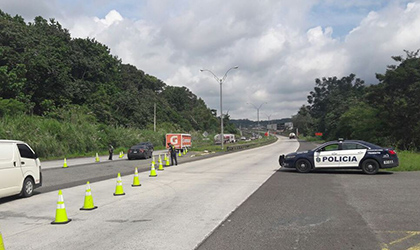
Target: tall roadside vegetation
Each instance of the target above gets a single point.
(72, 86)
(387, 113)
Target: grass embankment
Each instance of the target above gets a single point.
(76, 136)
(409, 161)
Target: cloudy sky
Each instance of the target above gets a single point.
(280, 46)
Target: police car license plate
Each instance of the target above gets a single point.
(388, 162)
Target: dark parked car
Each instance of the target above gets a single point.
(148, 144)
(140, 151)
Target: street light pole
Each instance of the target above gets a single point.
(258, 112)
(220, 80)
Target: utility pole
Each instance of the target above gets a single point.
(154, 118)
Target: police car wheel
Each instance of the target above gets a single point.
(28, 187)
(303, 166)
(370, 167)
(281, 160)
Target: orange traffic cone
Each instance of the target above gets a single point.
(60, 212)
(119, 188)
(136, 181)
(88, 205)
(153, 170)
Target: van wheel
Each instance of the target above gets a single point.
(28, 187)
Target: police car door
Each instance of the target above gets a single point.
(325, 157)
(351, 154)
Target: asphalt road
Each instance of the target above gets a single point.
(235, 201)
(175, 210)
(329, 209)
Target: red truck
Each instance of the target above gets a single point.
(179, 140)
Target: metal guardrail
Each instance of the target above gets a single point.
(249, 145)
(242, 146)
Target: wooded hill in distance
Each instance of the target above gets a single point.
(44, 71)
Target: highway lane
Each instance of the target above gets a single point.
(328, 209)
(175, 210)
(81, 170)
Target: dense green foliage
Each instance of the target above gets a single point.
(42, 67)
(46, 73)
(387, 113)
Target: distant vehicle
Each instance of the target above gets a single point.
(180, 141)
(228, 138)
(243, 138)
(20, 169)
(342, 154)
(148, 144)
(140, 151)
(292, 136)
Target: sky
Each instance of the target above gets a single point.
(279, 46)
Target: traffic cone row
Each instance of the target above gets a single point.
(61, 214)
(121, 154)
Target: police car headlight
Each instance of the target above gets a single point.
(290, 156)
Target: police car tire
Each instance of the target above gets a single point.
(370, 166)
(306, 166)
(28, 187)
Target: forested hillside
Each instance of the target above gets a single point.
(43, 71)
(387, 113)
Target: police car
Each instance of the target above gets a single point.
(342, 154)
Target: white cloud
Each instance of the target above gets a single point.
(279, 46)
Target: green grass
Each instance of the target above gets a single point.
(409, 161)
(75, 136)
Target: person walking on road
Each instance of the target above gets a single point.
(111, 151)
(172, 153)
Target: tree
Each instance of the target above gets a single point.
(330, 99)
(397, 96)
(303, 120)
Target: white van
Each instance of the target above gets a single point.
(20, 169)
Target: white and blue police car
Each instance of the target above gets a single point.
(342, 154)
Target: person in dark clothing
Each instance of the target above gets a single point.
(111, 151)
(172, 153)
